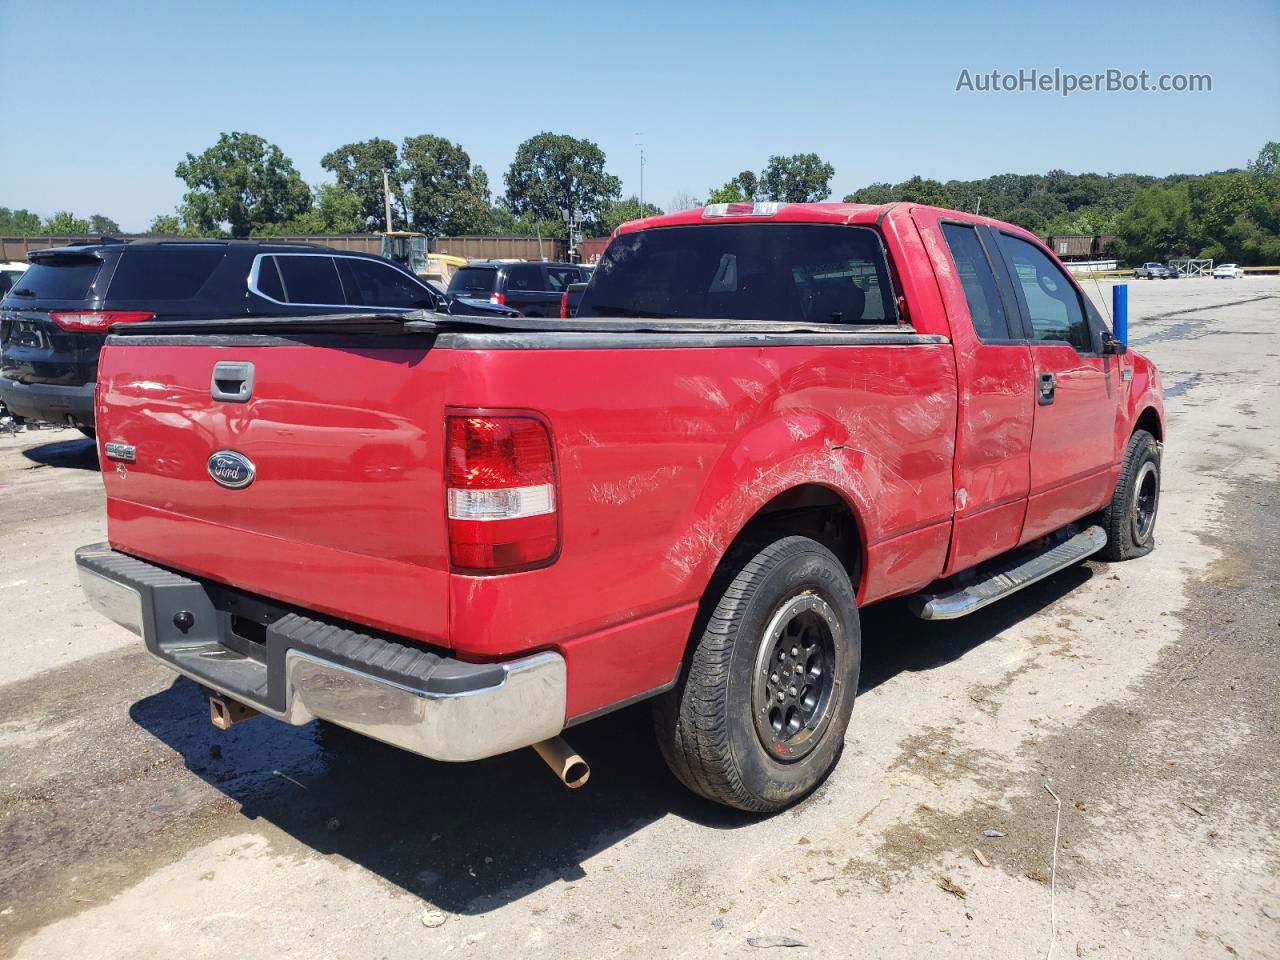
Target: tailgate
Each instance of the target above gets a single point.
(322, 489)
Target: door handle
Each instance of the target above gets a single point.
(1048, 389)
(232, 381)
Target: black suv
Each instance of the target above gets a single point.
(55, 319)
(532, 288)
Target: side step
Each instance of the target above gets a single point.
(998, 580)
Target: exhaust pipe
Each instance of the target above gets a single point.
(223, 712)
(572, 770)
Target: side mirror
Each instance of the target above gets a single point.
(1112, 344)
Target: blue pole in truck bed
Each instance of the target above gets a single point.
(1120, 311)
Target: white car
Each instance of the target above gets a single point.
(10, 271)
(1228, 271)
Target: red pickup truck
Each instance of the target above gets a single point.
(464, 535)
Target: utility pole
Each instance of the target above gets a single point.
(386, 196)
(640, 144)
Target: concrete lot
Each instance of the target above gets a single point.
(1143, 693)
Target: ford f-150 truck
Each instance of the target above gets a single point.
(464, 535)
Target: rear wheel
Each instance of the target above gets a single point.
(89, 432)
(1130, 518)
(759, 715)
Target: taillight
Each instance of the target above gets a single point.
(499, 298)
(96, 321)
(501, 493)
(564, 305)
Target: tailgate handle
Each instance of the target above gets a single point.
(232, 381)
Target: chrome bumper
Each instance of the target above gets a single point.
(443, 709)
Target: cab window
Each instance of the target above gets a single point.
(1051, 301)
(978, 281)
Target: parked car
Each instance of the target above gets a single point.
(1228, 271)
(54, 321)
(570, 299)
(1155, 271)
(10, 271)
(463, 540)
(533, 288)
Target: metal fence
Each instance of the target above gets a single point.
(478, 247)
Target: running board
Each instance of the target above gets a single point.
(1006, 577)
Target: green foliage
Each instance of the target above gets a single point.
(799, 178)
(165, 225)
(334, 209)
(1232, 215)
(1155, 225)
(745, 186)
(18, 223)
(621, 211)
(358, 168)
(447, 196)
(555, 176)
(65, 223)
(103, 226)
(875, 193)
(243, 183)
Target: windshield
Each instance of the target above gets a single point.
(473, 282)
(765, 272)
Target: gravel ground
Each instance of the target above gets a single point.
(1143, 694)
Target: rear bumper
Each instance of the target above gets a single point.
(44, 401)
(295, 668)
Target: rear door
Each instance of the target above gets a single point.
(1076, 391)
(996, 403)
(528, 290)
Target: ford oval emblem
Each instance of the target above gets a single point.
(231, 469)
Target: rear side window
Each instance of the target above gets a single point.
(473, 282)
(767, 272)
(268, 281)
(1052, 303)
(371, 284)
(560, 277)
(526, 277)
(157, 273)
(310, 280)
(978, 281)
(57, 278)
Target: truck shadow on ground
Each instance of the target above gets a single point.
(80, 453)
(469, 838)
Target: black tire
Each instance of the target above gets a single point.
(792, 593)
(1130, 518)
(89, 432)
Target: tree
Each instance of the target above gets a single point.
(18, 223)
(358, 168)
(555, 176)
(334, 209)
(447, 196)
(103, 226)
(242, 183)
(875, 193)
(620, 211)
(65, 223)
(165, 225)
(1155, 225)
(800, 178)
(921, 190)
(743, 188)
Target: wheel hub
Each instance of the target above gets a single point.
(1145, 501)
(795, 676)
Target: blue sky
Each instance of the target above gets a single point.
(103, 99)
